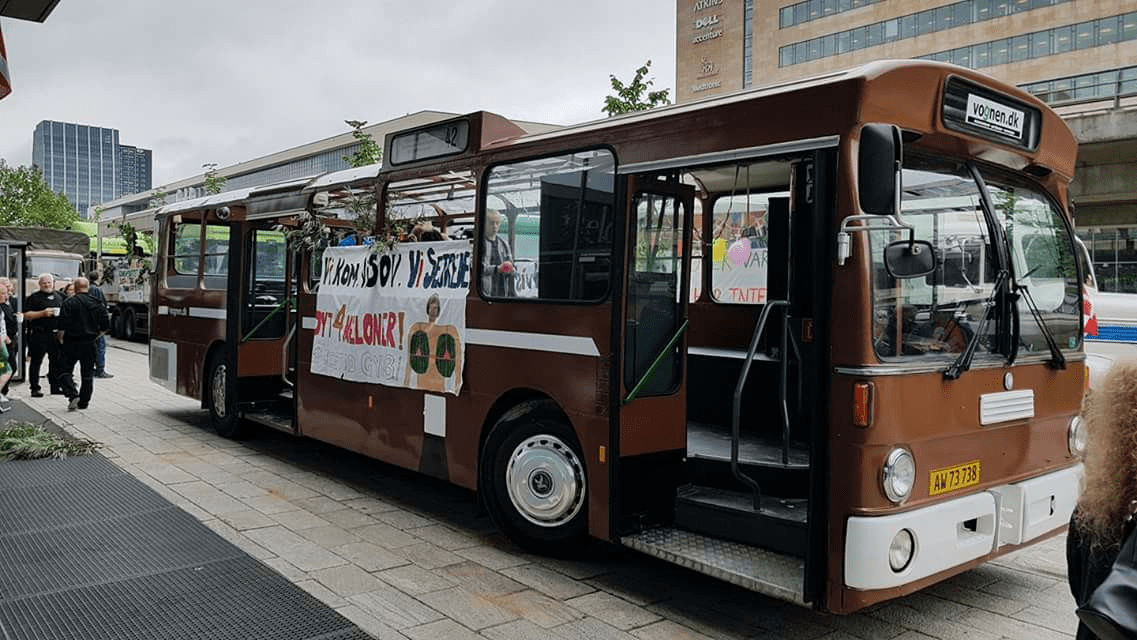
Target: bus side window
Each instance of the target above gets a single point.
(185, 256)
(558, 222)
(215, 257)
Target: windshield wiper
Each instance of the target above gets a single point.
(1058, 361)
(963, 362)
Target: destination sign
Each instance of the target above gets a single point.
(982, 111)
(994, 116)
(434, 141)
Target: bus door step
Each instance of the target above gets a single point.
(774, 574)
(278, 420)
(780, 525)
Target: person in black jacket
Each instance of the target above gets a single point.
(1110, 483)
(81, 320)
(101, 341)
(41, 311)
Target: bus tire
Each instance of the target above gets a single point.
(128, 323)
(534, 483)
(221, 398)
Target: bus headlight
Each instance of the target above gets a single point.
(901, 550)
(898, 475)
(1076, 436)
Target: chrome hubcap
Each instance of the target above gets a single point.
(545, 481)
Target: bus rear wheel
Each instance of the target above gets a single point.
(534, 483)
(222, 399)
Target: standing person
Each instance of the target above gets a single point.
(1110, 484)
(82, 320)
(498, 275)
(41, 311)
(101, 341)
(11, 331)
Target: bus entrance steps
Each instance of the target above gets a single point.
(780, 524)
(767, 572)
(89, 551)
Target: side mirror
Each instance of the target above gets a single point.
(879, 162)
(905, 259)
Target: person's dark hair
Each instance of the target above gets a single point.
(93, 276)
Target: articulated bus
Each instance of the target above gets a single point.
(821, 340)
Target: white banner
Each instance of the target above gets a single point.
(396, 317)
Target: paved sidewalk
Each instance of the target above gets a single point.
(403, 556)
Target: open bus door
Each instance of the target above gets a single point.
(262, 292)
(653, 405)
(753, 490)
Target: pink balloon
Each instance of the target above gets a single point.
(739, 252)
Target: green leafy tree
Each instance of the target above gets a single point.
(214, 183)
(634, 96)
(26, 200)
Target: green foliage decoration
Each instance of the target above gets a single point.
(22, 441)
(214, 183)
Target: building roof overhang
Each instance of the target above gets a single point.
(34, 10)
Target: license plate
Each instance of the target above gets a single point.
(953, 478)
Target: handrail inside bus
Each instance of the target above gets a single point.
(286, 302)
(736, 418)
(655, 364)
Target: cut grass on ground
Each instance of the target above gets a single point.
(22, 441)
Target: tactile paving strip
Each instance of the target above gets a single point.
(236, 599)
(88, 551)
(113, 549)
(18, 474)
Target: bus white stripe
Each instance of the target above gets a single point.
(575, 345)
(212, 313)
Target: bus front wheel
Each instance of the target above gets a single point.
(533, 482)
(222, 398)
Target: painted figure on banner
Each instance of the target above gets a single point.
(434, 352)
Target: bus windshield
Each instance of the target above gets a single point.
(937, 315)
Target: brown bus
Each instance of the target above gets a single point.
(821, 340)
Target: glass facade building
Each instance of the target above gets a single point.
(86, 164)
(136, 170)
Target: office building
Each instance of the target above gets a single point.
(86, 163)
(136, 170)
(1060, 50)
(1079, 56)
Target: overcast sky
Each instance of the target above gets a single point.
(227, 81)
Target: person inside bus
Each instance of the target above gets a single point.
(499, 277)
(41, 311)
(11, 333)
(1109, 486)
(82, 319)
(948, 333)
